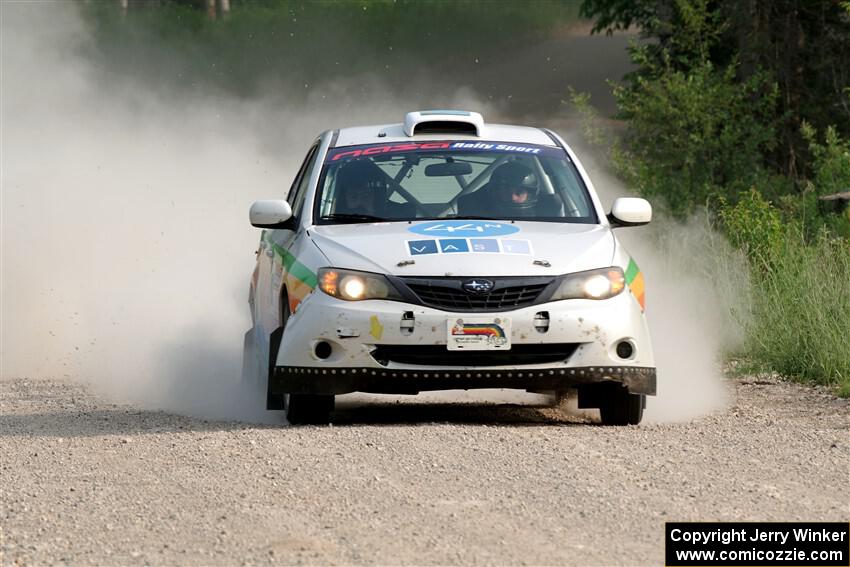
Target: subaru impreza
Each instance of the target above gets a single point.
(441, 253)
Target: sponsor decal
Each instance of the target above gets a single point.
(453, 245)
(336, 155)
(494, 333)
(489, 146)
(417, 247)
(300, 280)
(375, 327)
(634, 279)
(484, 244)
(373, 150)
(464, 228)
(516, 247)
(467, 245)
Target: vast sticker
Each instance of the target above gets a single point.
(453, 245)
(516, 246)
(484, 244)
(461, 228)
(417, 247)
(468, 245)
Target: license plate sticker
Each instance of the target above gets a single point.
(478, 333)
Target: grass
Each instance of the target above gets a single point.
(800, 318)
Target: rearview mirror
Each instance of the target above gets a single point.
(630, 211)
(448, 169)
(270, 214)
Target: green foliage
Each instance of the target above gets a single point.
(297, 45)
(695, 136)
(800, 311)
(831, 160)
(754, 226)
(611, 15)
(830, 175)
(804, 47)
(718, 113)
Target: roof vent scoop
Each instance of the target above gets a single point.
(443, 122)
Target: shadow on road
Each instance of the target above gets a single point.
(465, 413)
(74, 422)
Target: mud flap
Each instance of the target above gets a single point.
(251, 365)
(273, 401)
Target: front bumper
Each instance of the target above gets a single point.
(356, 331)
(311, 380)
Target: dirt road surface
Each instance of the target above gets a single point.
(89, 482)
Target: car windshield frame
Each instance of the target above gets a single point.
(382, 152)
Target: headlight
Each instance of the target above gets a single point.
(355, 286)
(594, 284)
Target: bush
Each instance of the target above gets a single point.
(695, 136)
(754, 226)
(831, 174)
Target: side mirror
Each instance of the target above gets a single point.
(630, 211)
(270, 214)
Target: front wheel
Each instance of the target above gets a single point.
(620, 407)
(309, 408)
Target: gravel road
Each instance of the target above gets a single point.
(89, 482)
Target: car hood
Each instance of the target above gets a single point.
(551, 249)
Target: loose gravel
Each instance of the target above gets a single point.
(89, 482)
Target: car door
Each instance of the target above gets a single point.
(284, 240)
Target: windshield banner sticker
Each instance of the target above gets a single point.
(464, 228)
(351, 152)
(468, 245)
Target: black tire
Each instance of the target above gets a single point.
(312, 409)
(619, 407)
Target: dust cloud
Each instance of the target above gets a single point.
(126, 250)
(696, 286)
(126, 247)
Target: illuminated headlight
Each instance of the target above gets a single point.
(594, 284)
(355, 286)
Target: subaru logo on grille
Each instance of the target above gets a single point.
(477, 286)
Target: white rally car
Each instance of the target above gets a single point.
(446, 253)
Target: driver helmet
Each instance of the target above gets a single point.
(515, 186)
(360, 190)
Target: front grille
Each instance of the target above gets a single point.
(439, 355)
(507, 293)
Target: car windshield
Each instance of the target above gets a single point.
(408, 181)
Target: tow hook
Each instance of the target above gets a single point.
(407, 323)
(541, 321)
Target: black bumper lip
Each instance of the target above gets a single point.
(336, 380)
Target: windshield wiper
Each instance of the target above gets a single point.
(352, 217)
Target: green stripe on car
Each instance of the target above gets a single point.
(632, 271)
